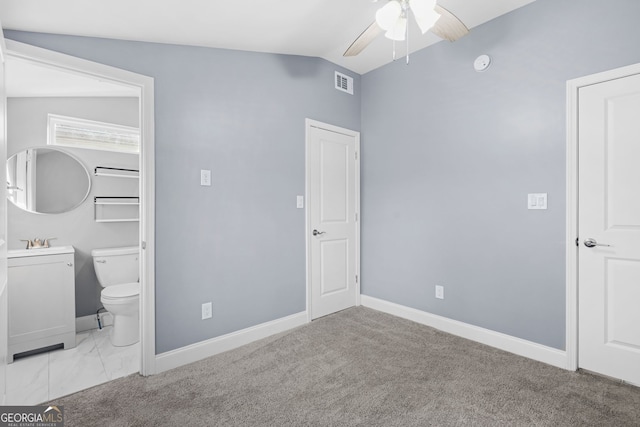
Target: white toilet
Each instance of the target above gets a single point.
(117, 270)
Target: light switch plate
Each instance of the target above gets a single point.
(537, 201)
(439, 291)
(300, 202)
(205, 177)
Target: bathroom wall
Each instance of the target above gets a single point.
(27, 127)
(241, 242)
(450, 155)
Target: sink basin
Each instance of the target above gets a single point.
(21, 253)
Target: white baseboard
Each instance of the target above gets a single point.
(201, 350)
(495, 339)
(87, 323)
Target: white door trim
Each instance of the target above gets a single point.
(145, 86)
(309, 123)
(4, 318)
(573, 87)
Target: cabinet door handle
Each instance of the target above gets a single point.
(70, 264)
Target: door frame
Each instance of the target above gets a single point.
(573, 88)
(145, 87)
(4, 319)
(309, 123)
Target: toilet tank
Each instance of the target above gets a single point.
(115, 266)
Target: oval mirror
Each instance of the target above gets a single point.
(46, 180)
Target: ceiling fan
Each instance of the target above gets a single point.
(393, 20)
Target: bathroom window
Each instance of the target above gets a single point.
(81, 133)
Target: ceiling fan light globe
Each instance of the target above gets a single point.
(424, 13)
(388, 14)
(427, 22)
(398, 31)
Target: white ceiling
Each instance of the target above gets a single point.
(320, 28)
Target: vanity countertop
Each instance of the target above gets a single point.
(55, 250)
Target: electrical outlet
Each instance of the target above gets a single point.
(205, 178)
(207, 310)
(439, 292)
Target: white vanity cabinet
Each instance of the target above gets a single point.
(41, 299)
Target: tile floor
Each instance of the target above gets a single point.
(39, 378)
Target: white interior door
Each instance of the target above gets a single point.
(332, 203)
(609, 228)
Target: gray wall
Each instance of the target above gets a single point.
(26, 128)
(450, 154)
(240, 242)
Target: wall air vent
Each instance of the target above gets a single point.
(344, 83)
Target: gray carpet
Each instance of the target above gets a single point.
(359, 367)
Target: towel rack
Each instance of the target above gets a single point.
(116, 172)
(116, 209)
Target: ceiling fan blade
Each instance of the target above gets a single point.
(363, 40)
(448, 27)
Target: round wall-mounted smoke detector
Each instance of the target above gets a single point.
(482, 62)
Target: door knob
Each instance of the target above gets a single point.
(317, 233)
(590, 243)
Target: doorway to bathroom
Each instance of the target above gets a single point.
(44, 86)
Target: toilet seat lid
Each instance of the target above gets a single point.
(122, 291)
